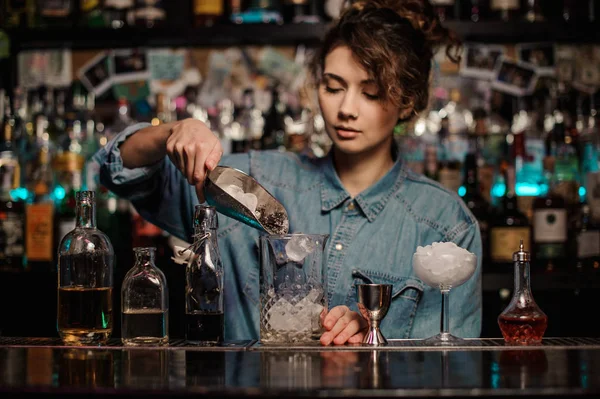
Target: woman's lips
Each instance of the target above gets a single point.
(345, 133)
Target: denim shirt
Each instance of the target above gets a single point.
(372, 236)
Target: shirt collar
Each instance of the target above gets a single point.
(371, 201)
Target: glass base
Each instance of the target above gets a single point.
(444, 339)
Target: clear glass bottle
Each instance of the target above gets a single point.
(85, 279)
(144, 302)
(522, 322)
(204, 317)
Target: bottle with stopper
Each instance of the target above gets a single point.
(522, 322)
(204, 282)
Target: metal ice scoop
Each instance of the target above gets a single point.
(234, 193)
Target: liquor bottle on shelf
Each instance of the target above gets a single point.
(12, 212)
(118, 13)
(19, 13)
(533, 12)
(144, 302)
(300, 11)
(91, 14)
(522, 322)
(258, 11)
(474, 201)
(149, 13)
(204, 282)
(207, 12)
(509, 225)
(550, 221)
(446, 9)
(55, 13)
(68, 165)
(39, 230)
(505, 10)
(85, 279)
(587, 241)
(274, 135)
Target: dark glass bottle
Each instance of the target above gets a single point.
(550, 231)
(118, 13)
(55, 13)
(204, 282)
(587, 241)
(509, 225)
(12, 212)
(522, 322)
(474, 201)
(446, 10)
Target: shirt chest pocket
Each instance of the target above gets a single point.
(406, 293)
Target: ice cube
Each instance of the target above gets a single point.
(250, 201)
(233, 190)
(279, 314)
(298, 248)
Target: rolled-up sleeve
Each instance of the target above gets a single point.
(159, 192)
(125, 182)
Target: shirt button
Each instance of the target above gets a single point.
(351, 206)
(339, 247)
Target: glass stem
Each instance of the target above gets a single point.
(445, 321)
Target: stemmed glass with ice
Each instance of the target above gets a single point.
(444, 265)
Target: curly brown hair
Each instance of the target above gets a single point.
(395, 41)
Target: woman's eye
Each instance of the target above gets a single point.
(371, 96)
(331, 89)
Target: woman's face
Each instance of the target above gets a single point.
(356, 119)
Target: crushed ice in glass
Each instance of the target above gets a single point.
(444, 263)
(294, 320)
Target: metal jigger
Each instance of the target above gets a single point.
(373, 304)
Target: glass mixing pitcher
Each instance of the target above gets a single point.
(293, 288)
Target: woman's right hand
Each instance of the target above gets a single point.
(194, 149)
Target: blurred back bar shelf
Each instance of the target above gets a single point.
(285, 34)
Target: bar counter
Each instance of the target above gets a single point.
(482, 368)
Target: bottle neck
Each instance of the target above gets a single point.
(522, 280)
(86, 214)
(144, 257)
(200, 232)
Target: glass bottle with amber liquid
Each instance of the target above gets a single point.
(85, 279)
(39, 215)
(204, 317)
(505, 10)
(522, 322)
(207, 12)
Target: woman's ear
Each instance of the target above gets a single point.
(406, 112)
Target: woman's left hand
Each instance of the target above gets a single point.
(343, 325)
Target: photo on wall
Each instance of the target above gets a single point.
(479, 60)
(514, 77)
(541, 55)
